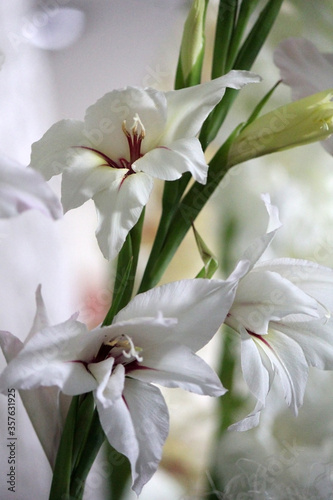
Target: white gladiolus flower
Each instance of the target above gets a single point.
(128, 138)
(151, 340)
(282, 312)
(45, 405)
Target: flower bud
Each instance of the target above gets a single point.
(193, 41)
(301, 122)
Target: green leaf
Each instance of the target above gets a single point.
(244, 60)
(226, 19)
(258, 35)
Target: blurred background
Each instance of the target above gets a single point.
(57, 57)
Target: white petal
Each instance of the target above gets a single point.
(10, 345)
(264, 296)
(173, 365)
(253, 253)
(247, 423)
(150, 418)
(53, 153)
(49, 358)
(137, 426)
(41, 404)
(23, 189)
(119, 208)
(199, 305)
(86, 177)
(41, 319)
(312, 278)
(189, 107)
(118, 427)
(169, 163)
(314, 337)
(144, 332)
(255, 373)
(104, 120)
(110, 387)
(289, 362)
(302, 67)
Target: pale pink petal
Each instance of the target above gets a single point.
(24, 189)
(303, 67)
(305, 70)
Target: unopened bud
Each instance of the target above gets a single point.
(301, 122)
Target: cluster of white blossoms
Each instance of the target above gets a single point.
(281, 309)
(282, 312)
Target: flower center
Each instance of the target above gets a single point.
(134, 137)
(121, 348)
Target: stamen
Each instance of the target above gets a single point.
(126, 132)
(129, 349)
(137, 122)
(133, 352)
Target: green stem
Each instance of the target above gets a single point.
(60, 487)
(223, 34)
(227, 406)
(93, 443)
(83, 422)
(246, 9)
